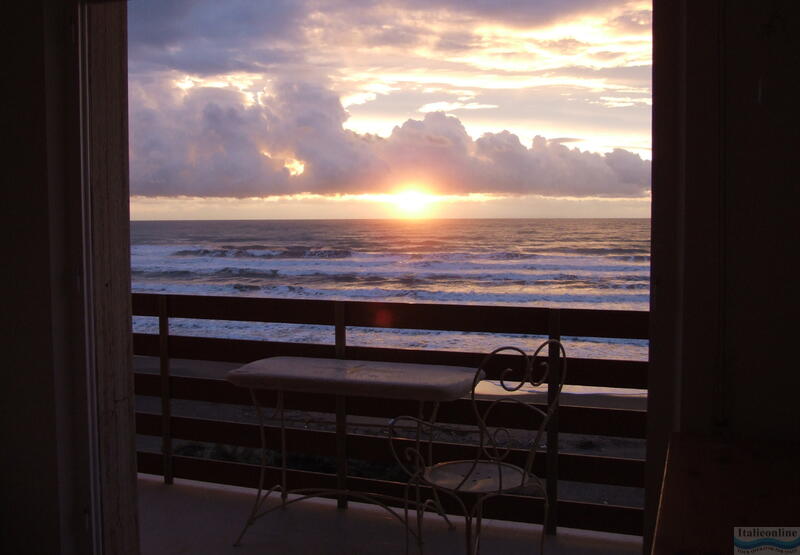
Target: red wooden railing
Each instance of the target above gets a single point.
(614, 471)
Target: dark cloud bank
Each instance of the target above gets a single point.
(210, 144)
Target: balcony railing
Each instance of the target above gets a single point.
(612, 471)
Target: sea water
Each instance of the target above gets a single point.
(566, 263)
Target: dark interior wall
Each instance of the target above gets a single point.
(724, 189)
(738, 190)
(45, 462)
(762, 144)
(29, 462)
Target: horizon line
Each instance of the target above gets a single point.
(385, 219)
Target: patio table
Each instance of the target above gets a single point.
(342, 378)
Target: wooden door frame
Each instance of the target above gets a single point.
(102, 30)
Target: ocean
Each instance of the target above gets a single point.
(567, 263)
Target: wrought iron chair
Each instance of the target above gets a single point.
(488, 474)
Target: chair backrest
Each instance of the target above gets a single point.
(547, 365)
(542, 367)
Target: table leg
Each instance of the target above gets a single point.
(284, 454)
(261, 471)
(432, 421)
(341, 450)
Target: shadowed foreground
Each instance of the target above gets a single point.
(202, 518)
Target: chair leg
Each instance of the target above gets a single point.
(420, 516)
(413, 482)
(440, 509)
(478, 509)
(476, 541)
(468, 529)
(405, 514)
(467, 518)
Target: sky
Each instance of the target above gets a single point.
(375, 108)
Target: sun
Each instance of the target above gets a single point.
(412, 203)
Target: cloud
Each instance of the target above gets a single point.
(204, 38)
(307, 122)
(445, 106)
(393, 35)
(517, 12)
(564, 46)
(634, 21)
(456, 41)
(549, 168)
(207, 143)
(159, 23)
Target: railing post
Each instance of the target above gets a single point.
(166, 394)
(340, 329)
(341, 406)
(553, 381)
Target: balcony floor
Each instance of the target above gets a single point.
(202, 518)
